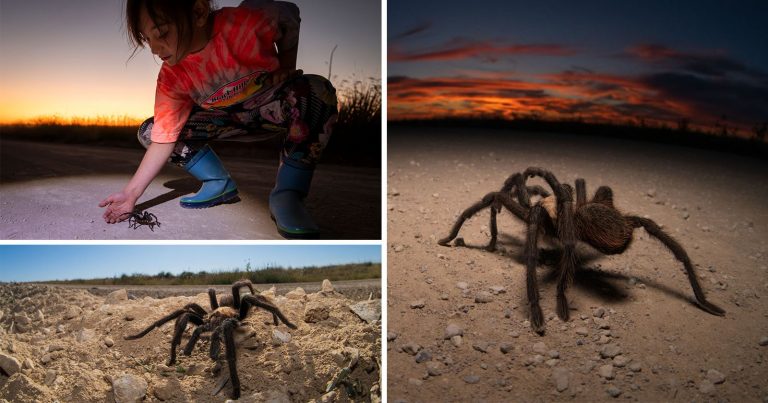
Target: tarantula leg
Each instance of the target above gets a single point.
(264, 303)
(195, 336)
(494, 228)
(566, 231)
(215, 345)
(654, 230)
(236, 291)
(581, 192)
(227, 328)
(212, 299)
(181, 325)
(175, 314)
(549, 177)
(531, 253)
(465, 215)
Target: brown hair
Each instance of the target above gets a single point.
(178, 13)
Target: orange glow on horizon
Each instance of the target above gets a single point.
(58, 120)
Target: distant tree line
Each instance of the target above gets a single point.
(268, 275)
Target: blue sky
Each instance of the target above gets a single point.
(59, 262)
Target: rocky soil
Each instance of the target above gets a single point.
(458, 325)
(67, 345)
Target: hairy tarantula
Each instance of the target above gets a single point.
(226, 314)
(596, 222)
(139, 218)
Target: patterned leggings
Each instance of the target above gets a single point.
(303, 110)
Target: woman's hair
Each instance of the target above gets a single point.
(178, 13)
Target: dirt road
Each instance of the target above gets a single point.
(352, 289)
(52, 191)
(634, 333)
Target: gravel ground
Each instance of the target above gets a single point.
(457, 316)
(66, 344)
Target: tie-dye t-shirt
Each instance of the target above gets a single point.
(228, 71)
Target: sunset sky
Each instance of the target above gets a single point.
(70, 58)
(660, 61)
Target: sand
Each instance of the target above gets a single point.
(634, 332)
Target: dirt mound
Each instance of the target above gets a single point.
(67, 344)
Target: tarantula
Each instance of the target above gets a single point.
(596, 222)
(139, 218)
(226, 314)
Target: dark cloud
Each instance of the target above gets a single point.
(412, 31)
(712, 64)
(738, 100)
(459, 49)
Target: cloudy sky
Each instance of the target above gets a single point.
(656, 61)
(70, 58)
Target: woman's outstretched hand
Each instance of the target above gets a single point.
(119, 206)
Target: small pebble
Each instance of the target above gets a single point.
(483, 297)
(109, 342)
(614, 391)
(706, 387)
(606, 371)
(452, 330)
(391, 336)
(481, 346)
(462, 285)
(411, 348)
(553, 354)
(582, 331)
(423, 356)
(610, 351)
(598, 312)
(456, 340)
(764, 341)
(540, 348)
(560, 377)
(418, 304)
(620, 361)
(434, 368)
(506, 348)
(635, 367)
(471, 379)
(715, 376)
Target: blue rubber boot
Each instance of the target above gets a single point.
(286, 201)
(218, 186)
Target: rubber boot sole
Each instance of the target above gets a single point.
(226, 198)
(294, 234)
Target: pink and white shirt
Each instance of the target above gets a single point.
(229, 70)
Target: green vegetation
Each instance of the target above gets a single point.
(268, 275)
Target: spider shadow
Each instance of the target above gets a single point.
(179, 187)
(605, 285)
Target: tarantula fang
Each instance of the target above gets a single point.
(595, 222)
(226, 315)
(139, 218)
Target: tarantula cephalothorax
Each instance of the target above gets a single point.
(139, 218)
(226, 314)
(596, 222)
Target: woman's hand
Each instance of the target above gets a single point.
(119, 206)
(120, 203)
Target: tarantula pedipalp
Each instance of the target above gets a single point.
(595, 222)
(226, 315)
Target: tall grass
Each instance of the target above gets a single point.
(268, 275)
